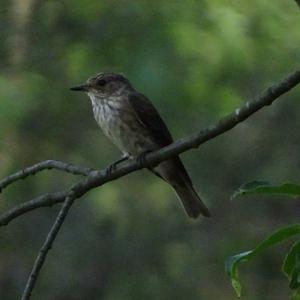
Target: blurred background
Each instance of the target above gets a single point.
(130, 239)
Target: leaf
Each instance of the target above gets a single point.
(231, 268)
(296, 295)
(232, 262)
(264, 187)
(295, 279)
(291, 265)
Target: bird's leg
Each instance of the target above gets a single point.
(113, 166)
(140, 158)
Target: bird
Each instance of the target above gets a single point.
(133, 124)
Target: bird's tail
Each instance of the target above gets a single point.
(192, 203)
(173, 172)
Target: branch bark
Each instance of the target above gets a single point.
(47, 246)
(43, 165)
(46, 200)
(98, 178)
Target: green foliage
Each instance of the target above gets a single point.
(291, 264)
(264, 187)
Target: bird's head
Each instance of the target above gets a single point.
(104, 85)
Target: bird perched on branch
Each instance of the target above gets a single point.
(133, 124)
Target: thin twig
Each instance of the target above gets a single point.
(44, 165)
(97, 178)
(47, 246)
(41, 201)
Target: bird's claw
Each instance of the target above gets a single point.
(112, 167)
(141, 158)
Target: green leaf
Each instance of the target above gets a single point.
(232, 262)
(264, 187)
(291, 265)
(296, 295)
(231, 268)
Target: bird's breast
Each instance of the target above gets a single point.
(119, 123)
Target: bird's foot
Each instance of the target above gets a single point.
(112, 167)
(141, 158)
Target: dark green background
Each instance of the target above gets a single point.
(197, 61)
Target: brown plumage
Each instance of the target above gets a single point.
(133, 124)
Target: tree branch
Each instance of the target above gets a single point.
(46, 200)
(43, 165)
(47, 246)
(98, 178)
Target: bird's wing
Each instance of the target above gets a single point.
(149, 117)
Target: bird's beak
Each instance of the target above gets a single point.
(80, 88)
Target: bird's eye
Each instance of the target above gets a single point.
(101, 82)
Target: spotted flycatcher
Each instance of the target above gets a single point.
(133, 124)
